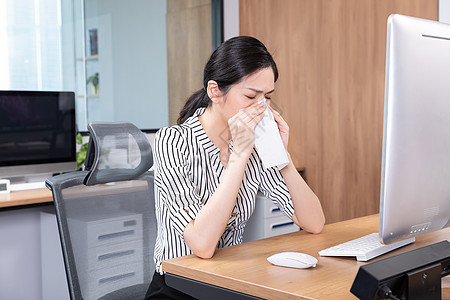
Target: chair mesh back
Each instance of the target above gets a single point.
(108, 230)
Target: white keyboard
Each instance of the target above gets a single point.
(27, 186)
(364, 248)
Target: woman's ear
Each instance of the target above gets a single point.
(213, 91)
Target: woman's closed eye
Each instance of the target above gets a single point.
(254, 97)
(268, 96)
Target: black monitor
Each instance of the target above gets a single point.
(415, 181)
(37, 133)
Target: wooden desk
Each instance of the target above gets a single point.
(244, 268)
(27, 197)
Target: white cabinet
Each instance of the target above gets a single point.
(110, 251)
(267, 221)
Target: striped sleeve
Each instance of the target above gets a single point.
(273, 186)
(174, 185)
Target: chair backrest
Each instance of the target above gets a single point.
(106, 215)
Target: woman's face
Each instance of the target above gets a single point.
(250, 90)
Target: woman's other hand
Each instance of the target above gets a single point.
(283, 127)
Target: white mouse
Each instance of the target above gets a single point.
(293, 260)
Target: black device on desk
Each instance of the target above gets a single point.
(412, 275)
(415, 182)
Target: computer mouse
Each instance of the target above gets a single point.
(293, 260)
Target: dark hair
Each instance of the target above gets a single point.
(233, 60)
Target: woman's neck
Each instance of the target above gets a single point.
(216, 128)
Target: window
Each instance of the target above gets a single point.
(31, 51)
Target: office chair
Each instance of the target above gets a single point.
(106, 216)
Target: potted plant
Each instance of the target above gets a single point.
(93, 79)
(81, 153)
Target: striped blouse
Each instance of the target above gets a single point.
(187, 172)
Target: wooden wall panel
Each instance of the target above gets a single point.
(189, 45)
(331, 59)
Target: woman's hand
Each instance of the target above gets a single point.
(283, 127)
(242, 128)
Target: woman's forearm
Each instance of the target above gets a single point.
(203, 233)
(308, 210)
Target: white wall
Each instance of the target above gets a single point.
(132, 62)
(139, 56)
(444, 11)
(230, 19)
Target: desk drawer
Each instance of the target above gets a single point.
(278, 225)
(94, 231)
(101, 282)
(112, 231)
(269, 209)
(267, 221)
(112, 255)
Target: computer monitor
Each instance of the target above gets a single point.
(37, 133)
(415, 179)
(415, 183)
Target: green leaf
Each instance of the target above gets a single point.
(93, 78)
(81, 154)
(79, 139)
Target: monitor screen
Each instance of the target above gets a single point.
(37, 133)
(415, 180)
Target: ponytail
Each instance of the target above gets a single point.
(198, 99)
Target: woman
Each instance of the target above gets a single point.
(207, 171)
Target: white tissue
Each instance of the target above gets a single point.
(268, 142)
